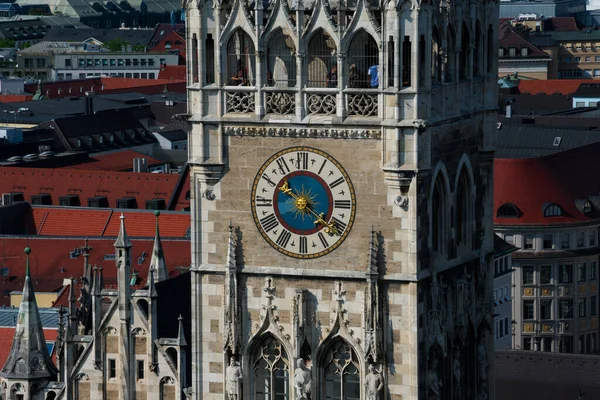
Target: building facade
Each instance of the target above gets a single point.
(341, 170)
(503, 294)
(555, 278)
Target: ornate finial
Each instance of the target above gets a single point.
(156, 213)
(27, 251)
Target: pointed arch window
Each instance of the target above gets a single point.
(271, 370)
(438, 215)
(281, 61)
(363, 60)
(450, 60)
(322, 60)
(341, 372)
(477, 55)
(465, 51)
(491, 48)
(436, 56)
(463, 208)
(240, 59)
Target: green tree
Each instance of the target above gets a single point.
(7, 43)
(138, 47)
(115, 44)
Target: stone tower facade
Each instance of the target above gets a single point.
(341, 166)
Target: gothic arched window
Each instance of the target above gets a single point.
(450, 55)
(477, 55)
(465, 43)
(363, 61)
(281, 61)
(271, 370)
(341, 372)
(240, 59)
(463, 208)
(322, 57)
(436, 56)
(438, 215)
(491, 48)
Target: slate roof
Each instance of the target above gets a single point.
(92, 222)
(131, 36)
(525, 375)
(48, 316)
(87, 184)
(587, 90)
(566, 179)
(539, 104)
(571, 36)
(173, 136)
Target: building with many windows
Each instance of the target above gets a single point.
(548, 207)
(341, 199)
(503, 318)
(79, 60)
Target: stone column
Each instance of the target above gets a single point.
(342, 112)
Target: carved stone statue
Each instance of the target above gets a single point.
(457, 372)
(234, 378)
(483, 365)
(373, 383)
(302, 381)
(434, 384)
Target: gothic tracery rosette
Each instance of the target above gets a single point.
(362, 104)
(280, 103)
(240, 102)
(321, 104)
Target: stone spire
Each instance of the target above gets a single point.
(181, 335)
(157, 262)
(29, 358)
(122, 239)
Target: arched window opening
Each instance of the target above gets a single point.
(341, 371)
(167, 388)
(436, 57)
(438, 215)
(465, 51)
(82, 386)
(463, 209)
(209, 48)
(172, 353)
(363, 60)
(51, 396)
(194, 66)
(450, 60)
(240, 59)
(281, 61)
(477, 53)
(491, 49)
(322, 61)
(271, 370)
(507, 211)
(553, 210)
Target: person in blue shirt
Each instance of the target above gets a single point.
(374, 74)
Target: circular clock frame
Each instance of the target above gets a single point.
(303, 202)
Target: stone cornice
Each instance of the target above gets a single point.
(303, 132)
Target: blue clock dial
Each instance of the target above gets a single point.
(303, 202)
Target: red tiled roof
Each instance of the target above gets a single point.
(552, 86)
(14, 98)
(172, 37)
(6, 338)
(112, 83)
(50, 256)
(533, 183)
(91, 222)
(118, 161)
(87, 184)
(173, 73)
(508, 37)
(562, 24)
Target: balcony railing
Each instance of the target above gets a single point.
(363, 103)
(280, 102)
(240, 101)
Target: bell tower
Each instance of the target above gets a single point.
(341, 173)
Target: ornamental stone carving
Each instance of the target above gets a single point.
(303, 132)
(240, 102)
(280, 102)
(321, 104)
(362, 104)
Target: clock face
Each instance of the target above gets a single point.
(303, 202)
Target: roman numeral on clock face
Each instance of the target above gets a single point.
(303, 245)
(323, 240)
(264, 202)
(339, 225)
(346, 204)
(337, 182)
(302, 160)
(269, 222)
(283, 167)
(284, 238)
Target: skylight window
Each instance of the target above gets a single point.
(553, 210)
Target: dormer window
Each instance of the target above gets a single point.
(587, 207)
(78, 142)
(500, 52)
(512, 51)
(524, 52)
(553, 210)
(507, 210)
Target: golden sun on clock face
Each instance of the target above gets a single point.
(303, 202)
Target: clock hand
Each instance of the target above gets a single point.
(302, 204)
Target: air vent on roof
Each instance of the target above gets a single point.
(11, 198)
(98, 201)
(69, 200)
(557, 141)
(42, 199)
(127, 202)
(155, 204)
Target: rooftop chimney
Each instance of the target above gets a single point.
(89, 103)
(509, 108)
(140, 165)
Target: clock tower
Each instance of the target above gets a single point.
(341, 172)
